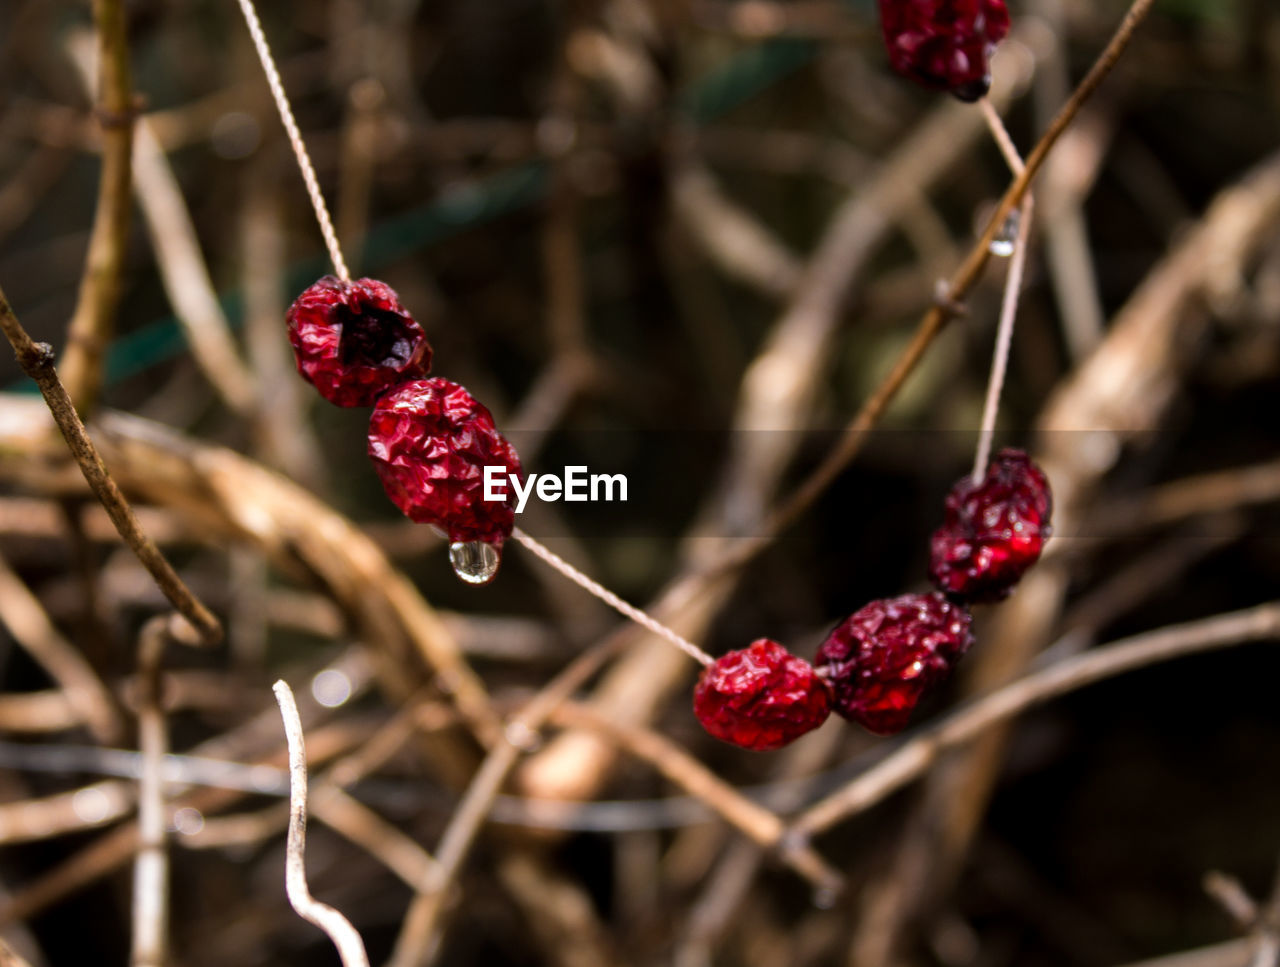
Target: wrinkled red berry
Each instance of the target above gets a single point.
(353, 340)
(761, 697)
(993, 530)
(430, 442)
(945, 44)
(885, 656)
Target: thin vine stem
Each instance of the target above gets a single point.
(1012, 291)
(642, 618)
(947, 306)
(544, 553)
(269, 68)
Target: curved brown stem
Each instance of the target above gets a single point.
(36, 360)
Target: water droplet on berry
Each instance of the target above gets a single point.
(475, 562)
(1005, 239)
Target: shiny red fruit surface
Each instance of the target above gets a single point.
(430, 442)
(945, 44)
(353, 340)
(761, 697)
(884, 657)
(993, 530)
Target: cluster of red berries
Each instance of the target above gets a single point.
(877, 664)
(429, 439)
(945, 44)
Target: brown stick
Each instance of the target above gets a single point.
(36, 360)
(957, 287)
(94, 316)
(90, 701)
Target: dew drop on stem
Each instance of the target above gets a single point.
(1003, 243)
(475, 562)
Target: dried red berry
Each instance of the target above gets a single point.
(945, 44)
(993, 530)
(430, 442)
(761, 697)
(885, 656)
(353, 340)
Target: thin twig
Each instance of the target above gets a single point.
(1004, 338)
(757, 823)
(936, 318)
(151, 868)
(116, 848)
(25, 618)
(1232, 897)
(185, 275)
(339, 929)
(94, 316)
(1012, 290)
(36, 360)
(642, 618)
(10, 957)
(419, 927)
(995, 124)
(177, 250)
(349, 817)
(914, 756)
(295, 138)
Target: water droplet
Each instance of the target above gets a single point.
(474, 561)
(1005, 239)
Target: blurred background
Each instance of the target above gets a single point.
(681, 240)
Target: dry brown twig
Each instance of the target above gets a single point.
(117, 847)
(151, 868)
(956, 288)
(89, 700)
(344, 936)
(177, 251)
(94, 317)
(36, 360)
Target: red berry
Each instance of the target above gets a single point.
(992, 531)
(885, 656)
(761, 697)
(945, 44)
(430, 442)
(353, 340)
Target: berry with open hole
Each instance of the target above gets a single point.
(353, 340)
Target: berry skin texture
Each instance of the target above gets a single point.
(353, 340)
(884, 657)
(992, 531)
(945, 44)
(761, 697)
(430, 442)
